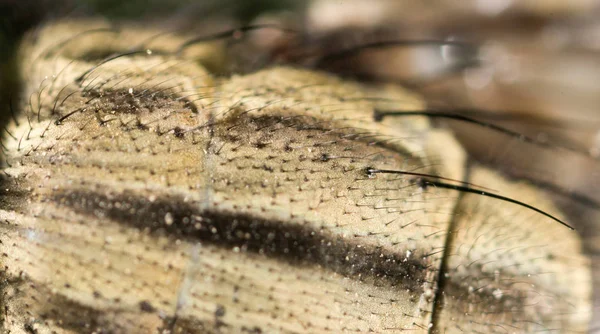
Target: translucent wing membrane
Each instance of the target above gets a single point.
(147, 188)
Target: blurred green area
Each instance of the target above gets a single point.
(18, 16)
(242, 10)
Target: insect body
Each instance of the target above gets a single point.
(144, 193)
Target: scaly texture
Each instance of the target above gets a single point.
(144, 193)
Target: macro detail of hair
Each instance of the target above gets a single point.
(312, 174)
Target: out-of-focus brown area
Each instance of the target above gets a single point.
(534, 69)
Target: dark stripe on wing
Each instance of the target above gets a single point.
(297, 244)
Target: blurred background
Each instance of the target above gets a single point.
(530, 66)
